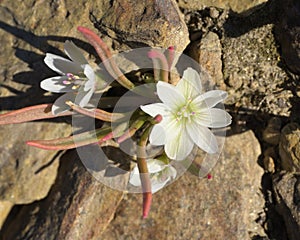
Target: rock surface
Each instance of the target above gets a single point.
(246, 6)
(77, 207)
(287, 193)
(288, 33)
(146, 23)
(208, 53)
(289, 147)
(224, 207)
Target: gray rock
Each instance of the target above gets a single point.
(246, 6)
(225, 207)
(251, 69)
(289, 147)
(287, 194)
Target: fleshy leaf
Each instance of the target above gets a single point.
(78, 140)
(37, 112)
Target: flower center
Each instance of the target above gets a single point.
(75, 80)
(185, 112)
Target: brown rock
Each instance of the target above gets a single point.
(23, 167)
(146, 23)
(208, 53)
(289, 147)
(272, 132)
(287, 188)
(5, 208)
(245, 7)
(225, 207)
(77, 207)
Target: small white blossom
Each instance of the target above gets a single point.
(187, 116)
(77, 78)
(160, 174)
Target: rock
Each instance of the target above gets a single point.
(145, 23)
(23, 167)
(287, 32)
(245, 7)
(5, 208)
(77, 207)
(268, 160)
(208, 53)
(251, 68)
(225, 207)
(289, 147)
(272, 132)
(287, 194)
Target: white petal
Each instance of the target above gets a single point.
(60, 106)
(135, 177)
(90, 74)
(169, 95)
(190, 84)
(155, 166)
(61, 65)
(156, 108)
(213, 118)
(203, 137)
(74, 53)
(210, 99)
(157, 135)
(178, 143)
(83, 98)
(156, 186)
(55, 84)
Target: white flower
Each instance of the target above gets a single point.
(77, 78)
(160, 174)
(187, 116)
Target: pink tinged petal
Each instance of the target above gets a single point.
(210, 99)
(203, 137)
(190, 84)
(213, 118)
(61, 65)
(60, 106)
(74, 53)
(55, 84)
(178, 142)
(156, 108)
(157, 135)
(169, 95)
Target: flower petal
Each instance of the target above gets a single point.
(74, 53)
(60, 106)
(157, 135)
(213, 118)
(210, 99)
(169, 95)
(83, 98)
(156, 108)
(90, 74)
(190, 84)
(178, 142)
(61, 65)
(203, 137)
(55, 84)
